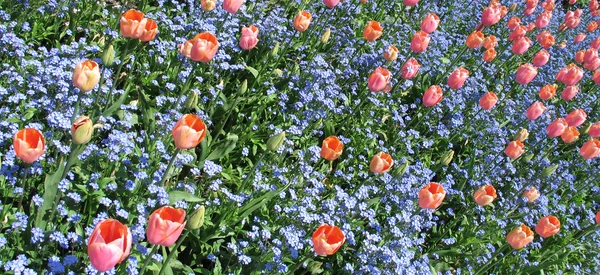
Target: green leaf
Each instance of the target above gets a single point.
(445, 60)
(175, 196)
(225, 148)
(115, 106)
(50, 190)
(253, 71)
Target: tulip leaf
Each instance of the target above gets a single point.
(116, 105)
(253, 71)
(445, 60)
(225, 148)
(175, 196)
(50, 190)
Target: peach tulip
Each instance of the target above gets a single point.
(514, 149)
(576, 117)
(520, 237)
(431, 195)
(432, 96)
(208, 5)
(249, 37)
(547, 226)
(327, 239)
(378, 79)
(410, 68)
(475, 39)
(189, 131)
(391, 53)
(132, 24)
(488, 100)
(579, 56)
(419, 42)
(430, 23)
(232, 6)
(381, 163)
(457, 78)
(535, 110)
(86, 75)
(202, 47)
(489, 55)
(302, 21)
(150, 31)
(570, 135)
(547, 92)
(332, 148)
(590, 149)
(109, 244)
(490, 42)
(531, 194)
(513, 22)
(526, 73)
(29, 144)
(485, 195)
(372, 31)
(165, 225)
(557, 127)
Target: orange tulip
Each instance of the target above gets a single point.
(372, 31)
(547, 226)
(202, 47)
(381, 163)
(109, 244)
(302, 21)
(189, 131)
(490, 42)
(488, 100)
(332, 148)
(514, 149)
(548, 91)
(150, 31)
(513, 22)
(520, 237)
(489, 55)
(570, 135)
(475, 39)
(431, 195)
(545, 39)
(593, 26)
(133, 24)
(531, 194)
(165, 225)
(485, 195)
(590, 149)
(86, 75)
(598, 218)
(327, 239)
(29, 144)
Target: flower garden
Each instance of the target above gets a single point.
(300, 137)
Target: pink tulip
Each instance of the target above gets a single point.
(521, 46)
(249, 37)
(595, 43)
(590, 149)
(594, 130)
(457, 78)
(543, 19)
(232, 6)
(526, 73)
(576, 117)
(165, 225)
(592, 65)
(579, 38)
(109, 244)
(430, 23)
(411, 3)
(569, 92)
(432, 96)
(488, 101)
(411, 68)
(557, 127)
(419, 42)
(378, 79)
(518, 33)
(541, 58)
(331, 3)
(490, 16)
(535, 110)
(514, 149)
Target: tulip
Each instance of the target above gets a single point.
(490, 42)
(526, 73)
(570, 135)
(514, 149)
(521, 135)
(488, 100)
(535, 110)
(150, 31)
(596, 77)
(391, 53)
(133, 24)
(457, 78)
(557, 127)
(232, 6)
(485, 195)
(592, 26)
(545, 39)
(542, 20)
(475, 39)
(331, 148)
(570, 75)
(411, 3)
(327, 239)
(595, 43)
(519, 237)
(569, 92)
(576, 117)
(590, 149)
(579, 38)
(275, 141)
(431, 195)
(29, 144)
(419, 42)
(302, 21)
(489, 55)
(531, 194)
(598, 218)
(521, 46)
(594, 130)
(202, 47)
(249, 37)
(432, 96)
(490, 16)
(165, 225)
(541, 58)
(518, 33)
(579, 56)
(547, 226)
(82, 130)
(381, 163)
(529, 11)
(189, 131)
(593, 5)
(372, 31)
(410, 68)
(109, 244)
(378, 79)
(331, 3)
(572, 19)
(513, 22)
(86, 75)
(430, 23)
(196, 220)
(548, 91)
(108, 56)
(208, 5)
(592, 65)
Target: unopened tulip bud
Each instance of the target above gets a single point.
(196, 220)
(275, 141)
(243, 87)
(192, 101)
(275, 50)
(513, 7)
(447, 157)
(82, 130)
(325, 36)
(585, 129)
(522, 135)
(549, 170)
(108, 56)
(401, 169)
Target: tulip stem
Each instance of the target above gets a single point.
(24, 186)
(76, 110)
(148, 258)
(169, 167)
(172, 253)
(485, 267)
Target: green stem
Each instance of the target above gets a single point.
(24, 186)
(169, 167)
(485, 267)
(72, 157)
(148, 258)
(245, 182)
(76, 111)
(172, 254)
